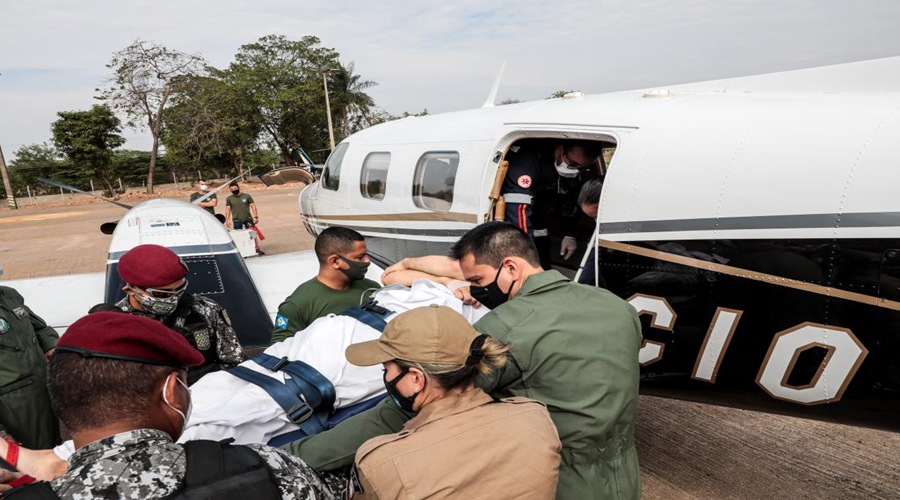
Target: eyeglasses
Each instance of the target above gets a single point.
(165, 294)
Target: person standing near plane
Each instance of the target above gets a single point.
(209, 203)
(26, 343)
(574, 348)
(540, 190)
(240, 209)
(156, 287)
(340, 283)
(589, 202)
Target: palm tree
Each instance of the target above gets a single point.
(350, 105)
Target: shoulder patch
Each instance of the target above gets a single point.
(281, 322)
(4, 325)
(524, 181)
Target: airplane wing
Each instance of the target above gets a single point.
(60, 300)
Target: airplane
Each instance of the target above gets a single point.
(752, 222)
(748, 221)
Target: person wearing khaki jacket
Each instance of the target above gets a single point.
(462, 443)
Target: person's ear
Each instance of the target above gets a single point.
(514, 269)
(418, 378)
(334, 261)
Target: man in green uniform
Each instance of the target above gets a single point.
(341, 283)
(240, 209)
(574, 348)
(210, 202)
(26, 342)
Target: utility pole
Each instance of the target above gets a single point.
(328, 109)
(10, 197)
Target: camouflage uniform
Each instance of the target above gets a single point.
(206, 326)
(145, 463)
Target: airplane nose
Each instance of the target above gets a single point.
(306, 209)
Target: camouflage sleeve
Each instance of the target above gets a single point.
(229, 349)
(295, 479)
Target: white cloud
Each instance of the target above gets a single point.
(439, 55)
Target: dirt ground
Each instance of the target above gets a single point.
(687, 450)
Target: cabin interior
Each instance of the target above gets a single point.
(567, 218)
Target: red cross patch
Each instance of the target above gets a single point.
(524, 181)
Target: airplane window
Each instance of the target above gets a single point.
(373, 176)
(434, 179)
(331, 176)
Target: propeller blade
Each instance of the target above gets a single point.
(76, 190)
(216, 190)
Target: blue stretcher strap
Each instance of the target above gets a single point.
(306, 397)
(337, 417)
(369, 313)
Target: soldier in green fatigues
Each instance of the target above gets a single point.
(340, 283)
(574, 348)
(25, 344)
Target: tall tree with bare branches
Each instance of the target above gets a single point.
(144, 77)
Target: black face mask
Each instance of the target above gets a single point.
(357, 269)
(236, 192)
(491, 295)
(404, 402)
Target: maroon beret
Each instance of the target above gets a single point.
(128, 337)
(151, 266)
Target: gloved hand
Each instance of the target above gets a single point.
(568, 247)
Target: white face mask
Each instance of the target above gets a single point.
(184, 418)
(203, 187)
(564, 170)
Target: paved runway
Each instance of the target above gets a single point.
(687, 450)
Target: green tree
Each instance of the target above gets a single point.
(350, 105)
(40, 160)
(211, 124)
(144, 77)
(88, 139)
(282, 79)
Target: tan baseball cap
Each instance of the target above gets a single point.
(435, 335)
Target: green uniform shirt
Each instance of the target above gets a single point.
(196, 195)
(574, 348)
(312, 300)
(240, 206)
(24, 403)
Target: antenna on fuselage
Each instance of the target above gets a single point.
(492, 97)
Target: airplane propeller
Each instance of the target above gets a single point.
(76, 190)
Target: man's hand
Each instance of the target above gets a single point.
(568, 247)
(462, 292)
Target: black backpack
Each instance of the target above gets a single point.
(214, 471)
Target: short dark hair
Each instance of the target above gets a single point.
(233, 183)
(591, 149)
(335, 240)
(88, 393)
(590, 192)
(492, 242)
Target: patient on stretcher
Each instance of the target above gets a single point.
(225, 406)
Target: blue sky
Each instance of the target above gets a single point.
(437, 55)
